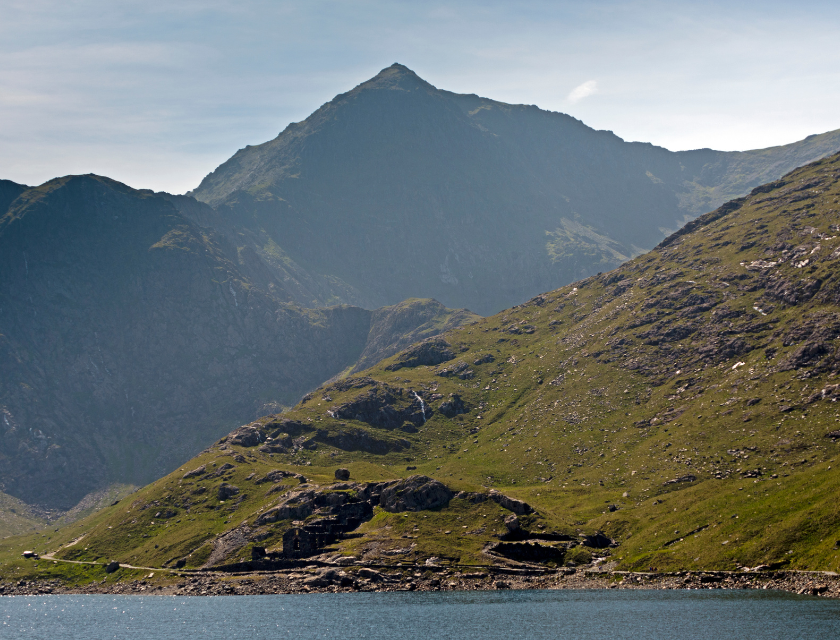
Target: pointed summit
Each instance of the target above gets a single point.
(397, 76)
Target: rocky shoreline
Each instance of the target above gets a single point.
(364, 579)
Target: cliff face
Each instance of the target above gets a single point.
(131, 337)
(397, 189)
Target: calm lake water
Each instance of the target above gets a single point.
(698, 615)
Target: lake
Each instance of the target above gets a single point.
(614, 614)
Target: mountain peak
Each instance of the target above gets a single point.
(397, 69)
(397, 76)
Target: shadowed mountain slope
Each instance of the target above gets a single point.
(399, 189)
(684, 404)
(131, 337)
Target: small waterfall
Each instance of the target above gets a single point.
(235, 302)
(422, 405)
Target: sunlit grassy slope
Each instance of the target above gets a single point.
(680, 403)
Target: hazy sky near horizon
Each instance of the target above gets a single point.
(158, 93)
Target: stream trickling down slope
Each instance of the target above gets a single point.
(422, 406)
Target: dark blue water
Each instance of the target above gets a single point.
(507, 615)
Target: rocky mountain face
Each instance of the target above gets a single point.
(399, 189)
(679, 412)
(131, 337)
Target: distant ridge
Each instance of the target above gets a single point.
(132, 336)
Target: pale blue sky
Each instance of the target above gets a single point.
(158, 93)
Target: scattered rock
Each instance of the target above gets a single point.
(276, 475)
(792, 292)
(460, 369)
(369, 574)
(805, 355)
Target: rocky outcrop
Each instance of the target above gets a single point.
(427, 353)
(350, 439)
(227, 491)
(804, 355)
(459, 369)
(597, 541)
(340, 508)
(296, 505)
(277, 475)
(519, 507)
(396, 328)
(453, 406)
(416, 493)
(792, 292)
(384, 407)
(196, 472)
(245, 436)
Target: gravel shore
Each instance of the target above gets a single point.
(364, 579)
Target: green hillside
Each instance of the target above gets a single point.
(683, 404)
(17, 517)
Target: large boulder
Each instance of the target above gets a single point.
(342, 474)
(415, 494)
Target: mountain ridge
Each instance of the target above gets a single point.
(131, 337)
(471, 201)
(678, 412)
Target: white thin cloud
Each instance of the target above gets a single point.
(583, 91)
